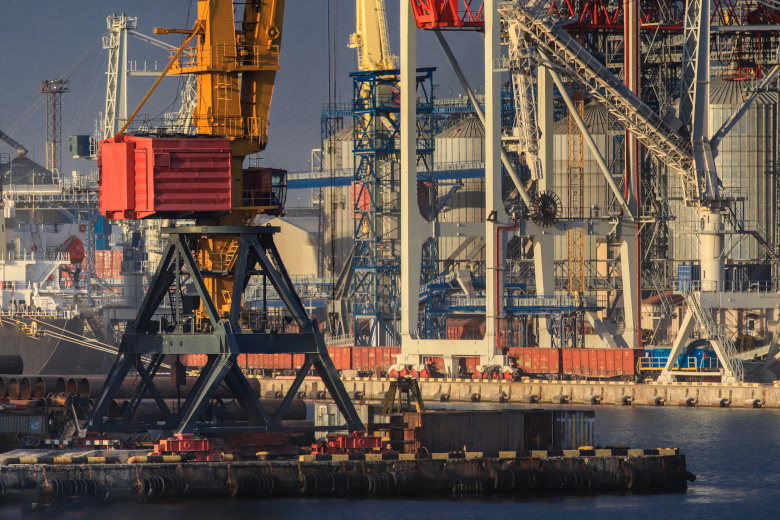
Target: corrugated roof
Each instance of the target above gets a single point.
(345, 134)
(597, 119)
(730, 92)
(470, 127)
(726, 92)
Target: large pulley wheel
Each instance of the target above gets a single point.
(546, 208)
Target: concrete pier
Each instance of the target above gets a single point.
(752, 395)
(583, 470)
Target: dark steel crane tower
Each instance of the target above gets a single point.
(54, 89)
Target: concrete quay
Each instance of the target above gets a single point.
(752, 395)
(110, 475)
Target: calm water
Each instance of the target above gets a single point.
(735, 454)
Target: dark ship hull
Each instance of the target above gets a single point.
(52, 346)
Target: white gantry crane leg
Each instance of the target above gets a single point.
(494, 203)
(414, 231)
(544, 245)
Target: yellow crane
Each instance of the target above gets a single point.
(371, 37)
(235, 59)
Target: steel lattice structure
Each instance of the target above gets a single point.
(54, 89)
(375, 202)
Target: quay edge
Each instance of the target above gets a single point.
(584, 470)
(751, 395)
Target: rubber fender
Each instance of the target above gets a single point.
(500, 480)
(246, 486)
(527, 478)
(499, 397)
(648, 478)
(442, 397)
(655, 400)
(632, 477)
(306, 484)
(686, 401)
(341, 483)
(560, 480)
(467, 485)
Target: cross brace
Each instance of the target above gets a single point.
(221, 338)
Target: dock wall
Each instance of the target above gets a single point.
(752, 395)
(584, 470)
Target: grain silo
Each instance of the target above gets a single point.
(597, 197)
(459, 147)
(338, 158)
(745, 160)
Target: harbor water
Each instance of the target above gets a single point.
(735, 454)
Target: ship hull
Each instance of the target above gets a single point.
(45, 351)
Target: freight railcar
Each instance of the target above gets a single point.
(360, 360)
(549, 363)
(575, 363)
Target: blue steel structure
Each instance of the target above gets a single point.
(374, 199)
(375, 196)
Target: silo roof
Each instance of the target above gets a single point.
(597, 120)
(469, 127)
(345, 134)
(731, 92)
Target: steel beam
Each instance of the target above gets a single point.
(222, 341)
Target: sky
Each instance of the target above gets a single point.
(48, 39)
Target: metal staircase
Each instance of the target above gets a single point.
(714, 333)
(737, 220)
(666, 304)
(229, 258)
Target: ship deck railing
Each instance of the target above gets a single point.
(30, 313)
(36, 256)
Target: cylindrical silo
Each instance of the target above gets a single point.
(337, 158)
(745, 159)
(458, 147)
(596, 193)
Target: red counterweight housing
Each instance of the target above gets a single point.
(180, 177)
(163, 177)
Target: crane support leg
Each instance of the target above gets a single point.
(221, 337)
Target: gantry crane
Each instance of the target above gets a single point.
(203, 178)
(691, 159)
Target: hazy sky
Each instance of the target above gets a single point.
(48, 39)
